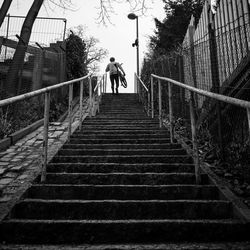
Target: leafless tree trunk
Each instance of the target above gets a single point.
(19, 55)
(4, 9)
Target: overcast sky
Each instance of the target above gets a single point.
(117, 38)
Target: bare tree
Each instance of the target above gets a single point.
(94, 54)
(22, 47)
(4, 9)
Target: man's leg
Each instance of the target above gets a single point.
(117, 83)
(112, 80)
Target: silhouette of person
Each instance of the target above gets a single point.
(113, 68)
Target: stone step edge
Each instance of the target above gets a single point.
(110, 201)
(130, 246)
(121, 185)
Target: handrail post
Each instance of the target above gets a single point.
(103, 86)
(194, 139)
(81, 104)
(98, 97)
(90, 97)
(148, 103)
(70, 109)
(106, 83)
(248, 118)
(45, 135)
(170, 103)
(152, 96)
(160, 103)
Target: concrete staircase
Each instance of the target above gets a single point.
(121, 181)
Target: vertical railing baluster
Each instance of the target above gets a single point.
(248, 118)
(70, 110)
(152, 96)
(98, 97)
(103, 85)
(90, 97)
(45, 135)
(160, 103)
(81, 104)
(194, 139)
(170, 103)
(148, 103)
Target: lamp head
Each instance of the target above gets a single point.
(132, 16)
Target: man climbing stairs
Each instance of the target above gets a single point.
(120, 181)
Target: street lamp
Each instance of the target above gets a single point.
(133, 16)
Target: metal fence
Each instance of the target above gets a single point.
(214, 57)
(44, 65)
(45, 30)
(44, 60)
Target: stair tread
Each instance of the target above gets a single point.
(129, 221)
(29, 200)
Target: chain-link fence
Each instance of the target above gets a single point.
(29, 67)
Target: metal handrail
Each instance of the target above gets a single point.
(46, 91)
(140, 92)
(39, 92)
(192, 90)
(142, 83)
(219, 97)
(99, 88)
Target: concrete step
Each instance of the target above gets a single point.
(122, 192)
(113, 127)
(123, 178)
(122, 131)
(161, 246)
(121, 152)
(121, 231)
(38, 209)
(122, 168)
(132, 120)
(123, 116)
(122, 122)
(119, 141)
(141, 146)
(118, 136)
(123, 159)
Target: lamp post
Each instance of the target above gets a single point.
(132, 16)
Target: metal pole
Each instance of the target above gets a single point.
(90, 97)
(7, 34)
(106, 83)
(70, 110)
(248, 118)
(152, 96)
(137, 54)
(81, 104)
(194, 139)
(160, 103)
(170, 85)
(98, 97)
(103, 83)
(45, 135)
(64, 31)
(148, 103)
(137, 47)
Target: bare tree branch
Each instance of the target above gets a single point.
(105, 9)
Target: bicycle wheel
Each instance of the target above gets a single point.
(123, 82)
